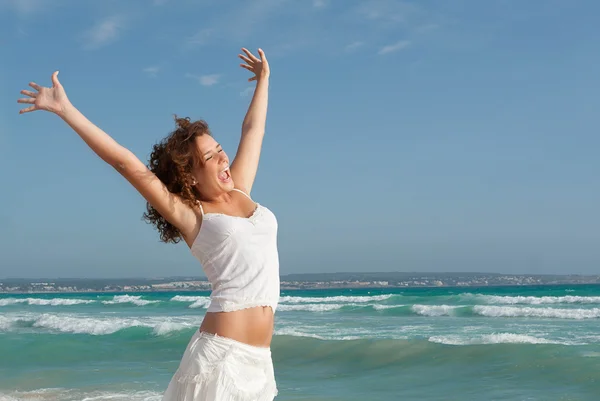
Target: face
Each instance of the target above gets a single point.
(212, 171)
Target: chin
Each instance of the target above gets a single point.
(228, 185)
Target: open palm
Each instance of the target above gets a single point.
(52, 99)
(258, 66)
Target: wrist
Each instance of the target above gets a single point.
(65, 110)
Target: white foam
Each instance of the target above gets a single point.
(435, 310)
(133, 299)
(59, 394)
(188, 298)
(289, 331)
(133, 396)
(12, 301)
(98, 325)
(310, 307)
(5, 323)
(44, 301)
(531, 300)
(84, 325)
(383, 307)
(42, 394)
(495, 338)
(512, 311)
(167, 327)
(336, 299)
(200, 303)
(419, 329)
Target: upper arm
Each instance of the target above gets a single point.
(169, 205)
(245, 165)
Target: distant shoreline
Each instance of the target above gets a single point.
(305, 281)
(301, 289)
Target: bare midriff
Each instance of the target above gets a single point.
(253, 326)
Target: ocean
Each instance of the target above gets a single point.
(504, 343)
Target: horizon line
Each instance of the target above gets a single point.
(189, 277)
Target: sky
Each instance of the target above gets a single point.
(420, 136)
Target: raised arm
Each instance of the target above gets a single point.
(245, 164)
(55, 100)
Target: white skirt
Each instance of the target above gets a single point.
(215, 368)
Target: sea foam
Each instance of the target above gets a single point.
(495, 338)
(555, 313)
(45, 301)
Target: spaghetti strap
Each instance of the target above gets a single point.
(239, 190)
(201, 208)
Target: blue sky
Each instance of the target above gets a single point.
(401, 136)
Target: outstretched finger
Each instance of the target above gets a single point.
(246, 59)
(252, 79)
(246, 66)
(27, 110)
(26, 100)
(261, 53)
(28, 93)
(35, 86)
(252, 56)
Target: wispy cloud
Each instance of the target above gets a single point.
(200, 38)
(369, 21)
(151, 72)
(24, 7)
(354, 46)
(393, 11)
(427, 28)
(205, 80)
(403, 44)
(247, 92)
(237, 24)
(209, 80)
(104, 32)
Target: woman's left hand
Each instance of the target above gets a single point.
(260, 67)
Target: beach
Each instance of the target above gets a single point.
(503, 343)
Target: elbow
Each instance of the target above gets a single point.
(120, 166)
(120, 161)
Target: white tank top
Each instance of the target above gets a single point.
(240, 259)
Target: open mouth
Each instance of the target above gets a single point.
(225, 175)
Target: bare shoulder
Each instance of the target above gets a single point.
(242, 190)
(171, 207)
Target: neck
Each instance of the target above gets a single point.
(216, 198)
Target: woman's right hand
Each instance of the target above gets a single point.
(52, 99)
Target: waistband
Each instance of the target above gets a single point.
(254, 350)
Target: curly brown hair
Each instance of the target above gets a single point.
(172, 160)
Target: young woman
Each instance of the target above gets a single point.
(194, 194)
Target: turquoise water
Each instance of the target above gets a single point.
(518, 343)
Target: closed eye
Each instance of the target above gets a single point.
(218, 151)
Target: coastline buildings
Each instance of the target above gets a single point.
(306, 281)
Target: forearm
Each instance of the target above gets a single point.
(256, 117)
(99, 141)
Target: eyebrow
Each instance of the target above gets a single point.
(205, 153)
